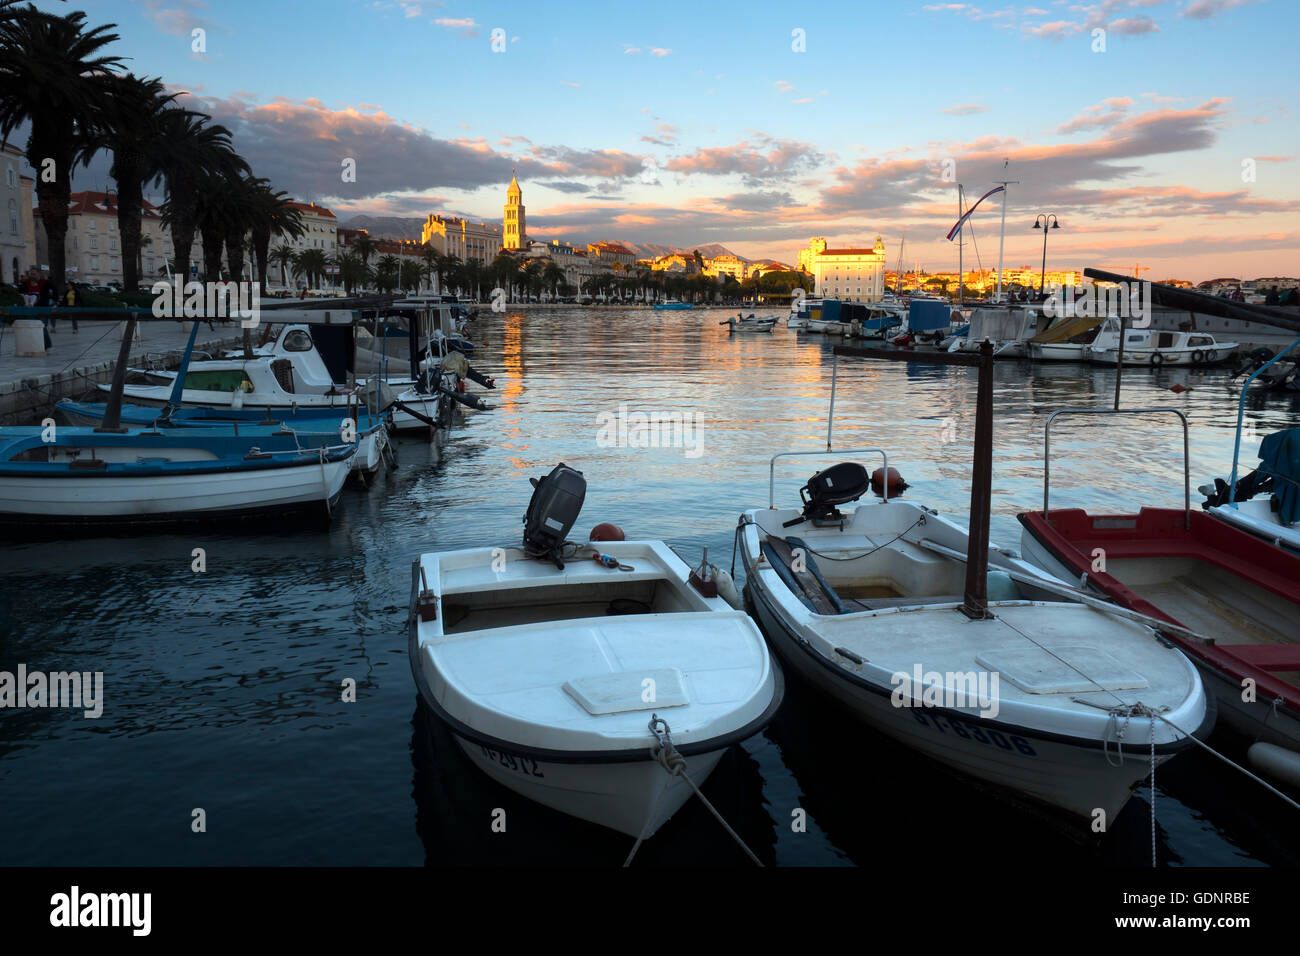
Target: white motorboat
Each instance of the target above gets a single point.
(749, 324)
(1008, 328)
(1047, 699)
(560, 676)
(1156, 348)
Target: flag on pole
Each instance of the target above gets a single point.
(962, 221)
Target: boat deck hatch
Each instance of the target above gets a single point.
(646, 689)
(1069, 669)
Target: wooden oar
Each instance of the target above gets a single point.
(1075, 594)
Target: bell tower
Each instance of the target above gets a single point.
(514, 235)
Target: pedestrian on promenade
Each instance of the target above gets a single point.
(72, 300)
(36, 291)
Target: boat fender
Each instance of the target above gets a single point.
(1278, 762)
(460, 386)
(896, 482)
(1157, 359)
(727, 588)
(607, 532)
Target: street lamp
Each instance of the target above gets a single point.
(1041, 222)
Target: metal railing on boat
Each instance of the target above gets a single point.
(1187, 468)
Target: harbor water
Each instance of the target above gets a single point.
(224, 688)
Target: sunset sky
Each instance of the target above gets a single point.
(686, 123)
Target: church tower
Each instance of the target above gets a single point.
(514, 235)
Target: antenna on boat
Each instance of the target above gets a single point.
(961, 242)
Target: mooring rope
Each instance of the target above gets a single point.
(665, 753)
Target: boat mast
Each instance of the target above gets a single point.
(898, 286)
(961, 241)
(1003, 238)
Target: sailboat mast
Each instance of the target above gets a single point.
(1005, 183)
(961, 241)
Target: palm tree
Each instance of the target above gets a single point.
(387, 272)
(52, 77)
(353, 270)
(273, 215)
(191, 149)
(311, 263)
(242, 207)
(410, 274)
(283, 257)
(364, 246)
(129, 125)
(553, 275)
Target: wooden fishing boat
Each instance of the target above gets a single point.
(1237, 593)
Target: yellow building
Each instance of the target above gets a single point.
(461, 238)
(853, 274)
(515, 231)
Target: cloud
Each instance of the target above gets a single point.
(569, 83)
(180, 19)
(660, 51)
(466, 26)
(1208, 9)
(965, 109)
(300, 146)
(1107, 113)
(630, 49)
(758, 160)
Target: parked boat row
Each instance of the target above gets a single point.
(273, 430)
(590, 677)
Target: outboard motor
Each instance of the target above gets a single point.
(836, 485)
(557, 500)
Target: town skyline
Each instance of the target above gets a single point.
(741, 135)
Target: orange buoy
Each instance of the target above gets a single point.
(896, 482)
(607, 532)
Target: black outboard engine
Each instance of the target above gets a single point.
(836, 485)
(557, 500)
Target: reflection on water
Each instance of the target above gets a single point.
(223, 688)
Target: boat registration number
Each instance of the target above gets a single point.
(973, 732)
(524, 765)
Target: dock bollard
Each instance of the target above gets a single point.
(29, 338)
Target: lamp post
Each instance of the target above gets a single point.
(1041, 222)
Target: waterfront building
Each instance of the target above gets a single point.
(854, 274)
(13, 239)
(725, 265)
(465, 240)
(320, 229)
(613, 253)
(677, 262)
(514, 229)
(92, 247)
(578, 264)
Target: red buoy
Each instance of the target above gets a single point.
(607, 532)
(1179, 389)
(896, 482)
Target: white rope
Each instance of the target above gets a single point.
(1204, 746)
(666, 755)
(1154, 861)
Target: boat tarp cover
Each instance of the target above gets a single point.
(1279, 455)
(831, 310)
(928, 316)
(1064, 329)
(999, 325)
